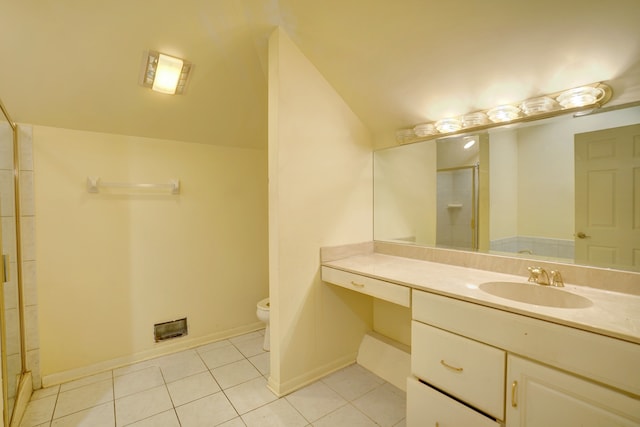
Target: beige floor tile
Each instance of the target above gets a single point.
(248, 396)
(39, 411)
(316, 400)
(262, 363)
(353, 382)
(144, 404)
(192, 388)
(85, 397)
(235, 373)
(221, 356)
(386, 405)
(98, 416)
(208, 411)
(137, 381)
(279, 413)
(346, 416)
(163, 419)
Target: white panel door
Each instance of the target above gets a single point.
(607, 171)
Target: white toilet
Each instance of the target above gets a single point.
(263, 315)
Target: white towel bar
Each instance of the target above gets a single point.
(94, 184)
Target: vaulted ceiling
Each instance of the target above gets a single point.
(76, 63)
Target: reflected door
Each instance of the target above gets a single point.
(607, 218)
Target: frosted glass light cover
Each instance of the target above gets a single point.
(580, 96)
(474, 119)
(168, 72)
(404, 135)
(448, 125)
(503, 113)
(425, 129)
(540, 105)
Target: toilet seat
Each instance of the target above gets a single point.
(264, 304)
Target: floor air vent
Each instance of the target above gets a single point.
(167, 330)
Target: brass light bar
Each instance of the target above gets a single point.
(541, 107)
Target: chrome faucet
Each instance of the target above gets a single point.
(539, 275)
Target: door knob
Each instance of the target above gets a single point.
(581, 235)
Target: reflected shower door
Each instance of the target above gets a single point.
(457, 208)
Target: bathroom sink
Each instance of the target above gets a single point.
(535, 294)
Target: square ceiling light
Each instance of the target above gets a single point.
(165, 73)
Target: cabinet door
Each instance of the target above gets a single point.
(539, 396)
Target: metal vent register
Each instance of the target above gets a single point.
(172, 329)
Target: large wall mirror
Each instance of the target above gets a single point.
(564, 189)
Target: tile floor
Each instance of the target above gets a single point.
(219, 384)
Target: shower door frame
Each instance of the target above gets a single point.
(19, 274)
(475, 202)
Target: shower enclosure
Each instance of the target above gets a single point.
(11, 298)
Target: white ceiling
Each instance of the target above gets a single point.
(76, 63)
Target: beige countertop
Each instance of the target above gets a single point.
(612, 314)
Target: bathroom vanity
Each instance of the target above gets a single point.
(572, 358)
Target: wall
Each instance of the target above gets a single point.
(503, 181)
(320, 194)
(112, 264)
(405, 193)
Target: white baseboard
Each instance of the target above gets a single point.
(160, 349)
(287, 387)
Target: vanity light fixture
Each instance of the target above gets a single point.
(503, 113)
(165, 73)
(544, 104)
(474, 119)
(580, 96)
(448, 125)
(573, 100)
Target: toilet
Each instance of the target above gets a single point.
(263, 315)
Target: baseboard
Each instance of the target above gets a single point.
(25, 389)
(160, 349)
(287, 387)
(388, 359)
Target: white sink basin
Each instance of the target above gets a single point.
(535, 294)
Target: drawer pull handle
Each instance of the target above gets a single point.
(357, 285)
(453, 368)
(514, 394)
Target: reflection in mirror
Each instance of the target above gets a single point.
(530, 201)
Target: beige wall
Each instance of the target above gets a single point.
(320, 194)
(405, 193)
(503, 182)
(112, 264)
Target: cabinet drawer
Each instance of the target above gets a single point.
(469, 370)
(429, 407)
(376, 288)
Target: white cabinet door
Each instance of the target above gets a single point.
(539, 396)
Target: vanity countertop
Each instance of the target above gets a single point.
(612, 314)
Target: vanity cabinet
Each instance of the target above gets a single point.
(478, 366)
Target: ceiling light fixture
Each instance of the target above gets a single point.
(470, 143)
(165, 73)
(569, 101)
